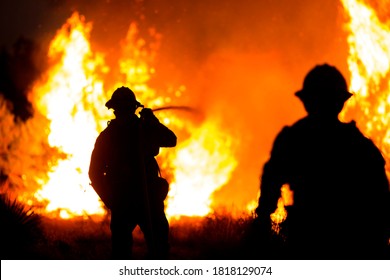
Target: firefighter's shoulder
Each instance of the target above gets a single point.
(289, 132)
(364, 143)
(290, 135)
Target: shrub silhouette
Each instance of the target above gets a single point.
(20, 229)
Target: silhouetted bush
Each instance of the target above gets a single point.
(20, 229)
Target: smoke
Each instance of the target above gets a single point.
(19, 68)
(239, 60)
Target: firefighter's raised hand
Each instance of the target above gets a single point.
(147, 115)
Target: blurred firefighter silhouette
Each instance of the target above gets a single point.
(337, 175)
(126, 175)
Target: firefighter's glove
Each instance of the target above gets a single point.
(148, 116)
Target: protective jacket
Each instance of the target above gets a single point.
(122, 161)
(341, 192)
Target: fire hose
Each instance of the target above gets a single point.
(172, 107)
(183, 108)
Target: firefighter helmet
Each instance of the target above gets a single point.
(324, 82)
(121, 98)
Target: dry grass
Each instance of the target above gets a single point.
(20, 229)
(217, 236)
(212, 237)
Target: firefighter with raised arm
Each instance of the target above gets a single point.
(337, 175)
(126, 175)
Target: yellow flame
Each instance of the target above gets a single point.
(64, 97)
(369, 64)
(202, 165)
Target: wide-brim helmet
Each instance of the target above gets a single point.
(324, 82)
(122, 97)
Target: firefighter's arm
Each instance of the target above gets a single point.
(273, 177)
(167, 137)
(269, 192)
(96, 166)
(97, 169)
(164, 136)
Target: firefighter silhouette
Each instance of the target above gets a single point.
(125, 174)
(341, 192)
